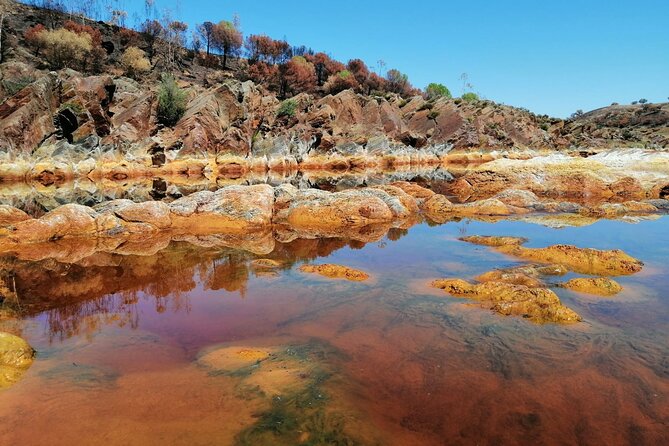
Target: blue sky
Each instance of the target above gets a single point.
(551, 57)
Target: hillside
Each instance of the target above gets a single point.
(70, 114)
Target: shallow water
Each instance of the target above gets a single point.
(121, 342)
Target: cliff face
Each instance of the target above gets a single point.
(98, 112)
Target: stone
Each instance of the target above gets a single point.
(155, 213)
(537, 304)
(314, 209)
(528, 275)
(70, 220)
(16, 356)
(581, 260)
(10, 215)
(601, 286)
(333, 271)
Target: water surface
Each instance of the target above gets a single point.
(390, 361)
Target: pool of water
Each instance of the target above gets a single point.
(124, 347)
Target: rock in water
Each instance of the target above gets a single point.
(537, 304)
(336, 272)
(16, 356)
(581, 260)
(601, 286)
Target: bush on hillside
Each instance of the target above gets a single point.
(470, 97)
(135, 62)
(64, 48)
(287, 108)
(171, 101)
(435, 91)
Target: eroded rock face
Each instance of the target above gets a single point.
(537, 304)
(333, 271)
(601, 286)
(16, 356)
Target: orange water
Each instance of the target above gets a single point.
(118, 341)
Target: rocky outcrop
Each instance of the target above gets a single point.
(537, 304)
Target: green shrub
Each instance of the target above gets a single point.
(426, 106)
(435, 91)
(171, 101)
(470, 97)
(433, 115)
(287, 108)
(403, 103)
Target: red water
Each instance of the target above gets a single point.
(118, 345)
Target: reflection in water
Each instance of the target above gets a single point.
(121, 338)
(36, 199)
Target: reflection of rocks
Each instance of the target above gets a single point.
(580, 260)
(16, 356)
(538, 304)
(622, 175)
(601, 286)
(333, 271)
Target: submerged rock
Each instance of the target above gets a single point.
(601, 286)
(333, 271)
(16, 356)
(537, 304)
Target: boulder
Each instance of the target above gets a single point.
(232, 208)
(70, 220)
(155, 213)
(315, 209)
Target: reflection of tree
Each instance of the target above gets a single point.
(230, 273)
(105, 288)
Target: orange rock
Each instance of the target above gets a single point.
(601, 286)
(528, 275)
(10, 215)
(66, 221)
(413, 189)
(581, 260)
(537, 304)
(155, 213)
(336, 272)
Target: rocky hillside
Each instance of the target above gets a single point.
(47, 113)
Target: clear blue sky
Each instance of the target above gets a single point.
(551, 57)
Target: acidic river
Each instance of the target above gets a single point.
(196, 346)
